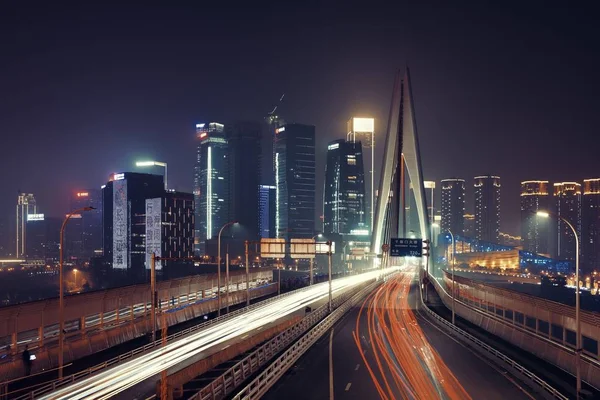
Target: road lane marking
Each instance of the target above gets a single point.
(331, 365)
(357, 367)
(348, 386)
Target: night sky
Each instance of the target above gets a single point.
(87, 89)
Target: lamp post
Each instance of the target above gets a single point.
(61, 301)
(545, 214)
(152, 164)
(453, 264)
(219, 264)
(312, 260)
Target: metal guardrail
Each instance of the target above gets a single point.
(59, 383)
(518, 367)
(266, 379)
(242, 370)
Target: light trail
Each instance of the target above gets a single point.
(406, 366)
(111, 382)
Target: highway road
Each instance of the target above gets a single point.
(117, 380)
(408, 357)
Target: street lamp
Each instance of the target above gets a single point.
(61, 301)
(545, 214)
(153, 164)
(453, 264)
(312, 260)
(219, 265)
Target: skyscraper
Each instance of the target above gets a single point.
(487, 208)
(590, 229)
(295, 181)
(344, 200)
(244, 146)
(169, 227)
(25, 205)
(568, 205)
(266, 213)
(124, 218)
(83, 236)
(363, 130)
(211, 183)
(535, 231)
(453, 206)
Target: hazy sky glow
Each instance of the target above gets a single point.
(88, 89)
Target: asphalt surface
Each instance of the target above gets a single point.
(310, 377)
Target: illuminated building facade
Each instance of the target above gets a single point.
(124, 218)
(83, 233)
(487, 208)
(590, 230)
(169, 227)
(363, 130)
(26, 205)
(567, 196)
(535, 231)
(453, 206)
(266, 212)
(344, 200)
(211, 183)
(244, 158)
(469, 225)
(295, 181)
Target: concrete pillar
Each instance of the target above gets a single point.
(41, 335)
(132, 314)
(82, 325)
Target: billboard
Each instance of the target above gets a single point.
(120, 225)
(323, 248)
(302, 248)
(153, 231)
(272, 248)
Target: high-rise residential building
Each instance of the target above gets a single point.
(344, 200)
(295, 181)
(487, 208)
(244, 157)
(266, 212)
(469, 225)
(567, 196)
(169, 227)
(124, 218)
(590, 227)
(83, 236)
(363, 130)
(453, 206)
(535, 231)
(26, 205)
(211, 183)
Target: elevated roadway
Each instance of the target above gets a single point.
(123, 377)
(408, 356)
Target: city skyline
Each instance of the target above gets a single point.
(127, 114)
